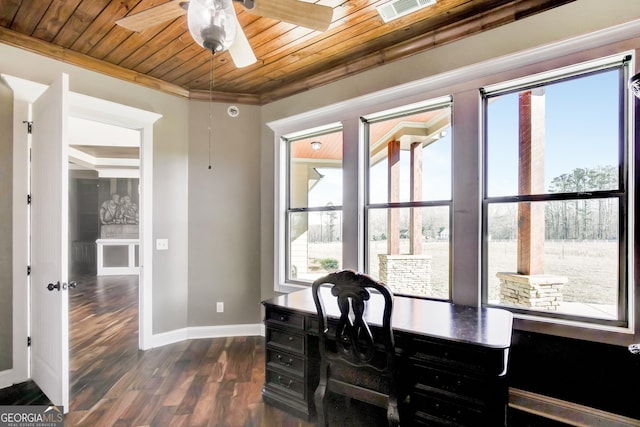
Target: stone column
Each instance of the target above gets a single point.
(540, 291)
(407, 274)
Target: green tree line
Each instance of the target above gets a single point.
(587, 218)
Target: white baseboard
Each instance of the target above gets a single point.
(224, 331)
(566, 412)
(199, 332)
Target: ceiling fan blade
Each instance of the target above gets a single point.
(308, 15)
(240, 50)
(153, 16)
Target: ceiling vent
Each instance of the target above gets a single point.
(397, 8)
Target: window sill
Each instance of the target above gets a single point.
(290, 287)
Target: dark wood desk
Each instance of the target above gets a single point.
(453, 359)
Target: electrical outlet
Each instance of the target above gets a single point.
(162, 244)
(220, 307)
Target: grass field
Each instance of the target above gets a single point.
(591, 267)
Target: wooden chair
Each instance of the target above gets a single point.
(355, 362)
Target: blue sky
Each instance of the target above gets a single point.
(581, 125)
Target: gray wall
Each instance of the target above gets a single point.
(213, 246)
(224, 216)
(6, 221)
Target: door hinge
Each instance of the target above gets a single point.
(28, 341)
(28, 199)
(29, 126)
(28, 270)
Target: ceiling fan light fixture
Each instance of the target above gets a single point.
(212, 23)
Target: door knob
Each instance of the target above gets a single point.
(51, 286)
(71, 284)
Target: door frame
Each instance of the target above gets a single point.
(100, 110)
(25, 92)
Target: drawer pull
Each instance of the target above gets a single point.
(291, 338)
(284, 318)
(285, 362)
(284, 384)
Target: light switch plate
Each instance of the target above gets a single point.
(162, 244)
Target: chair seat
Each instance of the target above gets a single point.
(367, 378)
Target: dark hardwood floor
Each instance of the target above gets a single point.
(206, 382)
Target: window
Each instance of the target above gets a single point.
(510, 189)
(556, 194)
(408, 207)
(314, 204)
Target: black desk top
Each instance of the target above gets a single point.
(487, 327)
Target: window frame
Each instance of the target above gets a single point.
(623, 194)
(368, 207)
(464, 83)
(288, 210)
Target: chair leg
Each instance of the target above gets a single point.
(320, 398)
(393, 414)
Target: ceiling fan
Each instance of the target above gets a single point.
(213, 23)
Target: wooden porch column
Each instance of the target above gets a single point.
(415, 221)
(393, 227)
(531, 181)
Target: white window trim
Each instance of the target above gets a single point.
(458, 82)
(554, 75)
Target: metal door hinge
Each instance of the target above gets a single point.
(28, 270)
(28, 199)
(28, 341)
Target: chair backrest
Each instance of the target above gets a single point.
(354, 342)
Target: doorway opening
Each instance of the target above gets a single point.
(104, 256)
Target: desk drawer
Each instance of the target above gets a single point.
(285, 318)
(277, 358)
(286, 340)
(470, 359)
(285, 383)
(432, 405)
(454, 383)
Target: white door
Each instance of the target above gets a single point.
(49, 243)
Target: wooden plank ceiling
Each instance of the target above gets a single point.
(291, 59)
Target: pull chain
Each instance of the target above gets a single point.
(210, 103)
